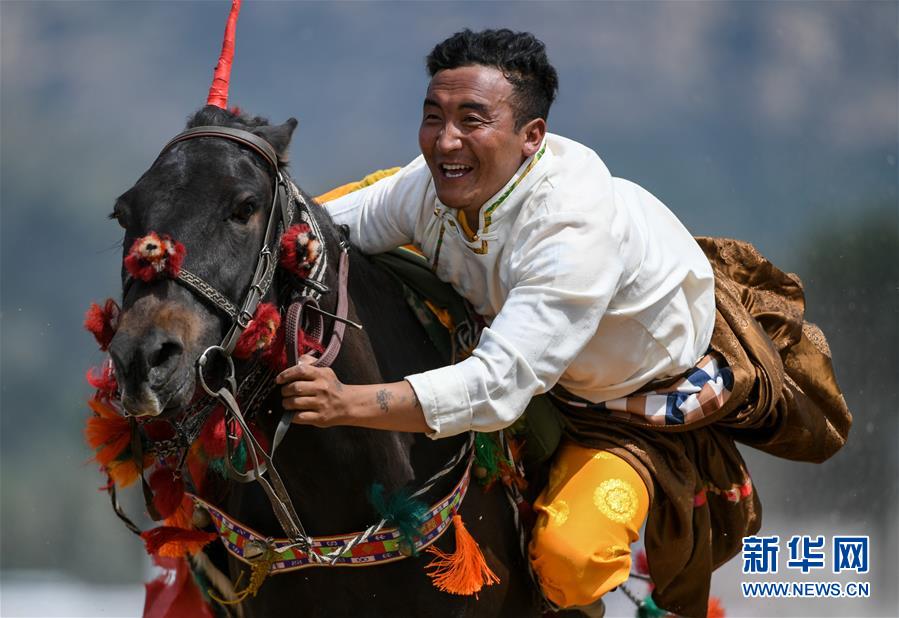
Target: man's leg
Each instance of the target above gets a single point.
(589, 514)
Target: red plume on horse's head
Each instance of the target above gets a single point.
(218, 92)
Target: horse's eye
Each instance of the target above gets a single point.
(244, 211)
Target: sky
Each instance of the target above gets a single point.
(770, 122)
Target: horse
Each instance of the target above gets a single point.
(214, 196)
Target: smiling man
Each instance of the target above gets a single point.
(593, 291)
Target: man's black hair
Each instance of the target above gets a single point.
(519, 55)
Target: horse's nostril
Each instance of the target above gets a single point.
(165, 352)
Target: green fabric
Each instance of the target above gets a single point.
(541, 429)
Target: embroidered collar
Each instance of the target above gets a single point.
(510, 187)
(478, 241)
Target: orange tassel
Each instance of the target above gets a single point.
(716, 610)
(183, 516)
(174, 542)
(122, 473)
(107, 432)
(465, 571)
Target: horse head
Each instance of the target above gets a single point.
(204, 205)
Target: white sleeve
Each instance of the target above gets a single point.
(383, 215)
(564, 273)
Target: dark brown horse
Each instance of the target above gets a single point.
(214, 195)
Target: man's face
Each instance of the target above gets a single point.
(468, 136)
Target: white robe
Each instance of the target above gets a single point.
(585, 280)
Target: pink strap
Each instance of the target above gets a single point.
(295, 321)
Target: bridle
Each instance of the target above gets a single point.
(280, 217)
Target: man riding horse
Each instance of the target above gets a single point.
(595, 293)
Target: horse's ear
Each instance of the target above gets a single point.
(278, 136)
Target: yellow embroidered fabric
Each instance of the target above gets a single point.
(587, 517)
(349, 187)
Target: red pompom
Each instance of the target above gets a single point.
(168, 491)
(152, 256)
(299, 250)
(103, 379)
(102, 322)
(260, 333)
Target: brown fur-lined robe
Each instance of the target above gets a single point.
(785, 401)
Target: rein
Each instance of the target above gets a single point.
(280, 219)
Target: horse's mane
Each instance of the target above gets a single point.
(235, 118)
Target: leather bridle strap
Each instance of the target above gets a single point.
(271, 482)
(267, 262)
(251, 141)
(297, 313)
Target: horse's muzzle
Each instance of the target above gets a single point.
(152, 371)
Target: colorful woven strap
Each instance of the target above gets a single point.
(246, 544)
(702, 390)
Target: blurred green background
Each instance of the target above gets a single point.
(770, 122)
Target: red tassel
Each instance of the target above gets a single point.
(159, 430)
(465, 571)
(103, 379)
(106, 432)
(275, 356)
(641, 563)
(175, 542)
(102, 322)
(174, 594)
(299, 250)
(306, 344)
(153, 256)
(218, 92)
(197, 466)
(214, 434)
(260, 333)
(168, 491)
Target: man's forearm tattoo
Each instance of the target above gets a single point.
(383, 398)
